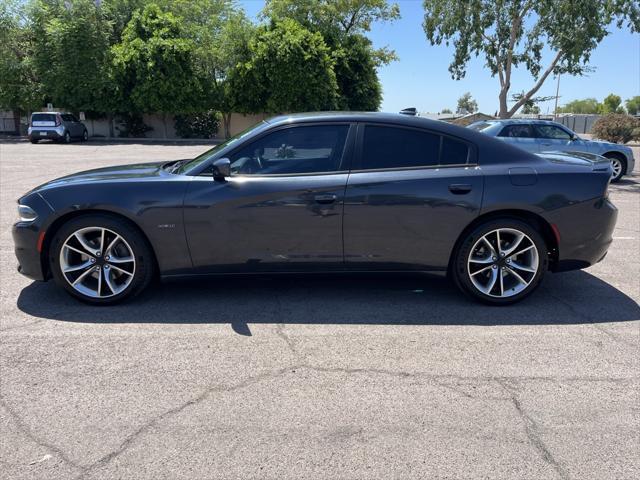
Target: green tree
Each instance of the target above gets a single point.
(612, 104)
(153, 66)
(585, 106)
(289, 69)
(466, 104)
(72, 53)
(513, 33)
(344, 25)
(20, 89)
(633, 105)
(220, 33)
(531, 105)
(446, 110)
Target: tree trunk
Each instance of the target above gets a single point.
(111, 129)
(16, 120)
(164, 121)
(226, 120)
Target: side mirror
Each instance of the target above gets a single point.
(574, 137)
(221, 169)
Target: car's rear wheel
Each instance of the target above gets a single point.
(100, 259)
(500, 262)
(618, 164)
(66, 138)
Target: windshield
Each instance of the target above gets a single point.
(200, 159)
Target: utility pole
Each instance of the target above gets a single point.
(555, 109)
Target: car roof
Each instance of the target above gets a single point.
(516, 121)
(375, 117)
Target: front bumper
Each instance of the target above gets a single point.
(28, 239)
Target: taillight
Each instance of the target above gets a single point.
(58, 121)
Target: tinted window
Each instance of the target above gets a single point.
(516, 131)
(390, 147)
(312, 149)
(551, 131)
(67, 117)
(453, 152)
(43, 117)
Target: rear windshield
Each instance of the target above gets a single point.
(479, 126)
(43, 119)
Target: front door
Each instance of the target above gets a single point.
(281, 210)
(555, 139)
(409, 196)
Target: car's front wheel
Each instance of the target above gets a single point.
(85, 136)
(500, 262)
(618, 165)
(100, 259)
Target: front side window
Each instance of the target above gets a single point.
(552, 132)
(67, 117)
(516, 131)
(294, 150)
(392, 147)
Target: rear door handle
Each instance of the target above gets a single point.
(325, 199)
(459, 188)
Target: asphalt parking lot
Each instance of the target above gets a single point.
(350, 377)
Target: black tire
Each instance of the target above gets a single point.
(141, 251)
(66, 137)
(460, 268)
(616, 157)
(33, 140)
(85, 135)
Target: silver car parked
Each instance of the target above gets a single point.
(56, 126)
(539, 136)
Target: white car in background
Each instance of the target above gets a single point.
(538, 136)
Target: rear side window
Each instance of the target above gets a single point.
(453, 152)
(67, 117)
(516, 131)
(390, 147)
(394, 147)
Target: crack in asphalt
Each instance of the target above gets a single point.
(532, 431)
(131, 438)
(24, 428)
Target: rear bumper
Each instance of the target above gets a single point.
(45, 133)
(586, 232)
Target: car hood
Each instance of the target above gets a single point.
(118, 173)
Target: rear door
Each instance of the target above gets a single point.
(409, 195)
(521, 135)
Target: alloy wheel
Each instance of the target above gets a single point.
(97, 262)
(503, 263)
(616, 164)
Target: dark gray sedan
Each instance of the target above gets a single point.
(324, 192)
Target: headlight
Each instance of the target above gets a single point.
(26, 214)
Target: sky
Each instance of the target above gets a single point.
(420, 78)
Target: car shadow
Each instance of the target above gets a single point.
(568, 298)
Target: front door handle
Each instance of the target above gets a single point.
(459, 188)
(325, 199)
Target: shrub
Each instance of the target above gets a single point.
(618, 128)
(198, 125)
